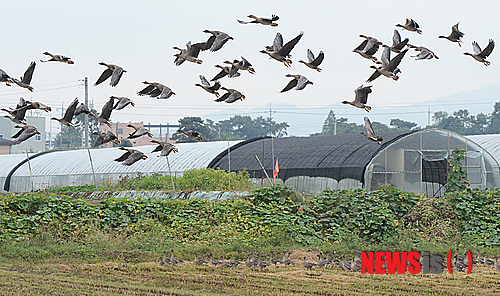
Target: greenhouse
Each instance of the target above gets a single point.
(414, 161)
(79, 167)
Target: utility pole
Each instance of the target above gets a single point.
(62, 115)
(335, 127)
(271, 112)
(86, 120)
(428, 115)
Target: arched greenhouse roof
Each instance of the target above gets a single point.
(337, 157)
(489, 142)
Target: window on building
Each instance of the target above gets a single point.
(119, 131)
(38, 138)
(1, 136)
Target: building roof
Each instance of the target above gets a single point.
(6, 142)
(337, 157)
(490, 143)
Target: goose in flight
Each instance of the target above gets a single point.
(25, 132)
(207, 87)
(261, 20)
(164, 147)
(298, 82)
(57, 58)
(138, 132)
(243, 65)
(122, 102)
(68, 115)
(424, 53)
(455, 35)
(106, 112)
(26, 78)
(481, 55)
(5, 78)
(313, 62)
(226, 71)
(82, 109)
(156, 90)
(17, 115)
(411, 25)
(130, 156)
(281, 52)
(189, 54)
(389, 68)
(113, 71)
(397, 44)
(370, 134)
(220, 39)
(361, 98)
(368, 48)
(104, 138)
(193, 50)
(38, 105)
(191, 134)
(230, 96)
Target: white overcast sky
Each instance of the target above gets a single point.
(139, 35)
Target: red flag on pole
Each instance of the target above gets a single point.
(276, 171)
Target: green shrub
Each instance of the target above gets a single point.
(478, 215)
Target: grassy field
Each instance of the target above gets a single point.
(116, 277)
(57, 245)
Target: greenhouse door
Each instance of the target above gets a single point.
(434, 177)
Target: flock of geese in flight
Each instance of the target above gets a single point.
(278, 51)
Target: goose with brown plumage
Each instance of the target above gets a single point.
(389, 67)
(68, 115)
(220, 39)
(207, 87)
(25, 132)
(25, 80)
(57, 58)
(313, 62)
(231, 96)
(261, 20)
(368, 48)
(481, 55)
(397, 44)
(82, 109)
(122, 102)
(191, 134)
(281, 52)
(156, 90)
(225, 70)
(4, 77)
(104, 138)
(138, 132)
(113, 71)
(370, 133)
(299, 82)
(361, 98)
(106, 112)
(410, 25)
(131, 156)
(243, 65)
(455, 35)
(424, 53)
(164, 147)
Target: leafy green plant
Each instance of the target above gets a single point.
(456, 175)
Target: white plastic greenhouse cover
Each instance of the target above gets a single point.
(75, 162)
(73, 167)
(490, 143)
